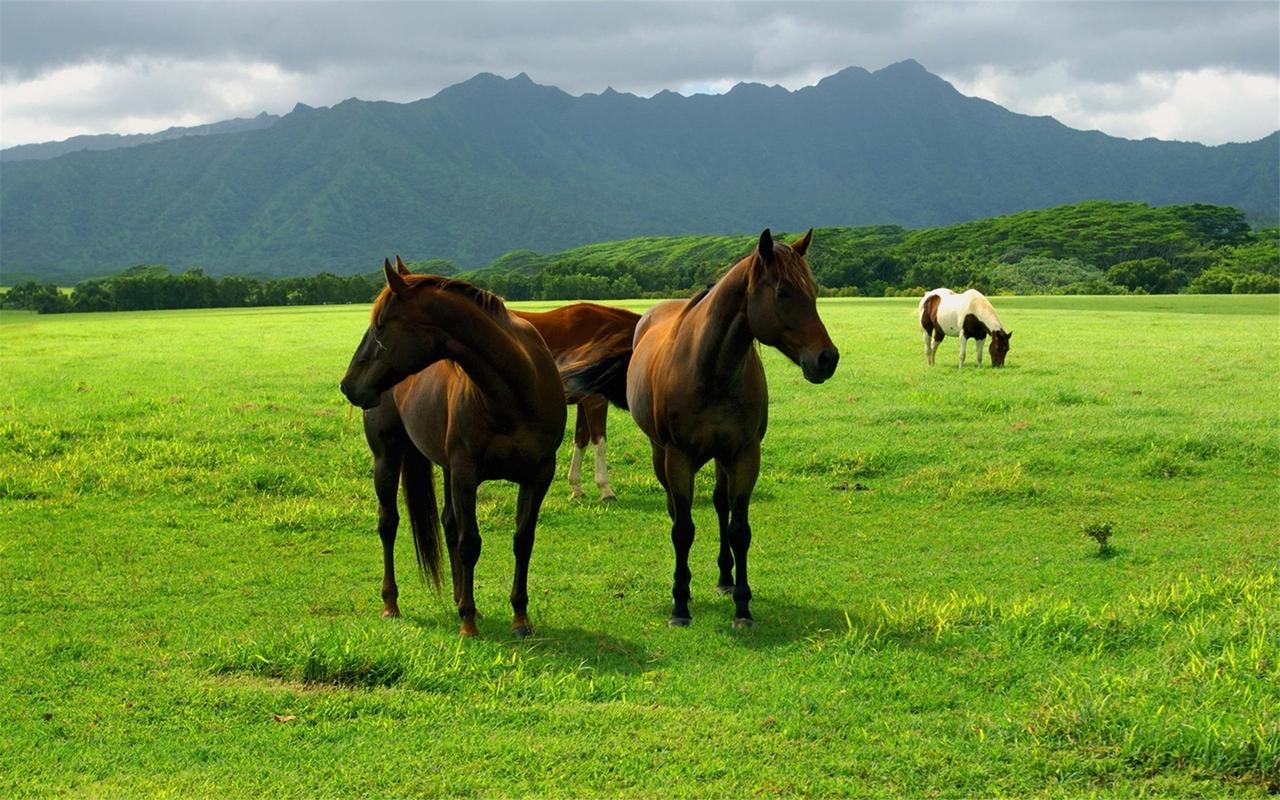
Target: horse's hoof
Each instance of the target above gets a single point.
(391, 612)
(679, 622)
(724, 589)
(522, 631)
(467, 630)
(744, 622)
(608, 498)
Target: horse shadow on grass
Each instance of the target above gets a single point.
(561, 646)
(778, 622)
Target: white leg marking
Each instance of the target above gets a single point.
(964, 343)
(978, 348)
(928, 347)
(602, 472)
(575, 470)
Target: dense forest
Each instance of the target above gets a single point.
(1087, 248)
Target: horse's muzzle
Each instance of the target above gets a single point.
(822, 367)
(361, 399)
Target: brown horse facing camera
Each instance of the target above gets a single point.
(447, 376)
(603, 330)
(696, 387)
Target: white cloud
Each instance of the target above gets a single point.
(1204, 71)
(1209, 105)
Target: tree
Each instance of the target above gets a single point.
(43, 298)
(1213, 281)
(1256, 283)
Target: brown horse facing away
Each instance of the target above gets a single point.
(447, 376)
(696, 387)
(567, 330)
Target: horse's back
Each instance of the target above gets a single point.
(570, 326)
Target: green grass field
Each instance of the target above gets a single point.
(189, 575)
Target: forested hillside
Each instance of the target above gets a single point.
(491, 165)
(1087, 248)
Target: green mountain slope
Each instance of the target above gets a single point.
(491, 164)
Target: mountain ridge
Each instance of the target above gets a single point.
(494, 164)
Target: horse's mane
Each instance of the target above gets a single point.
(983, 308)
(792, 269)
(483, 299)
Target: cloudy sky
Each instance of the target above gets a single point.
(1207, 72)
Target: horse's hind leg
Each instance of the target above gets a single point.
(928, 347)
(964, 345)
(581, 435)
(596, 409)
(527, 507)
(721, 500)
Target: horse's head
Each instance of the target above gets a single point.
(782, 306)
(400, 341)
(999, 347)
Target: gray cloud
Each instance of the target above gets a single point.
(403, 51)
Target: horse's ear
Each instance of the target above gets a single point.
(802, 244)
(394, 279)
(1008, 334)
(400, 267)
(765, 247)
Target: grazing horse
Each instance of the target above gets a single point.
(447, 376)
(696, 387)
(968, 315)
(566, 331)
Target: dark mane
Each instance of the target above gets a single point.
(485, 300)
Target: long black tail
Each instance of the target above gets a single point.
(418, 479)
(606, 376)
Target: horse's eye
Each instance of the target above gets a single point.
(784, 293)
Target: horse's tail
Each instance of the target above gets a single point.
(418, 478)
(606, 376)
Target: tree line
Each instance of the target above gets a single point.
(1087, 248)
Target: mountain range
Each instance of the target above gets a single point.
(493, 164)
(111, 141)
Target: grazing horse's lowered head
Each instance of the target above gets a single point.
(402, 338)
(782, 308)
(999, 347)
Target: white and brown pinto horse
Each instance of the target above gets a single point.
(968, 315)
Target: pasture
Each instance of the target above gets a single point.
(189, 575)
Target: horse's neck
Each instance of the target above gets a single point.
(489, 352)
(981, 308)
(720, 328)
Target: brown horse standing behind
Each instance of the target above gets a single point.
(697, 388)
(566, 331)
(447, 376)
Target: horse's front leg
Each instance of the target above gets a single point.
(977, 347)
(678, 470)
(528, 505)
(449, 521)
(721, 500)
(742, 481)
(463, 495)
(386, 483)
(964, 344)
